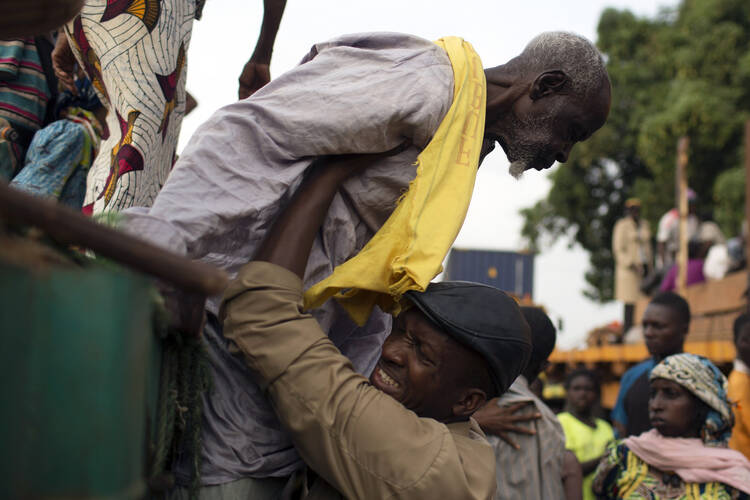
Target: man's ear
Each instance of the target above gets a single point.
(470, 400)
(548, 83)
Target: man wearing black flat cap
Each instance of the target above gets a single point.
(407, 432)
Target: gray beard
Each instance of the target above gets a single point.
(525, 142)
(517, 168)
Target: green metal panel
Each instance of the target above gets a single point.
(78, 366)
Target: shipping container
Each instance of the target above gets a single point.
(512, 272)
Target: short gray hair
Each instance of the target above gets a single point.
(571, 53)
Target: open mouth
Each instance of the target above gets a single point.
(387, 378)
(385, 382)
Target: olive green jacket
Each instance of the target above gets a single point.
(362, 442)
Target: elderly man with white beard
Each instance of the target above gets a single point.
(360, 93)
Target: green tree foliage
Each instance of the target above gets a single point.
(685, 72)
(729, 200)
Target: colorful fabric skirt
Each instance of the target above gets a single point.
(134, 52)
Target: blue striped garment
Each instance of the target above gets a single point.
(23, 85)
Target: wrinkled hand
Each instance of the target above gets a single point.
(500, 421)
(254, 75)
(64, 63)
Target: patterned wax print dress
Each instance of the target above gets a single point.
(134, 52)
(622, 475)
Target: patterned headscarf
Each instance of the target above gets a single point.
(701, 377)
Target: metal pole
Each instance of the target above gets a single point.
(682, 255)
(73, 228)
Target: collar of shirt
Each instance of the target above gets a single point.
(461, 428)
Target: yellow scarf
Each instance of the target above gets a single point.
(408, 251)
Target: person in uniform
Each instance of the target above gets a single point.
(631, 248)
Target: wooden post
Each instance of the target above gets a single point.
(682, 203)
(747, 198)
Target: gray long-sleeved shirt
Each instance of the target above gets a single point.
(361, 93)
(535, 471)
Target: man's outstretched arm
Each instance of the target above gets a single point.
(360, 440)
(256, 72)
(288, 242)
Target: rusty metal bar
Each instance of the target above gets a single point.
(68, 227)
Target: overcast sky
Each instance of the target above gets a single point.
(224, 39)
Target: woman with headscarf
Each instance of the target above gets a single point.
(685, 455)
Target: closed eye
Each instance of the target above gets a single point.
(417, 344)
(409, 338)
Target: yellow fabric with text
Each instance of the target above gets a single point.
(408, 251)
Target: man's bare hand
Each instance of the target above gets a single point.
(502, 420)
(64, 63)
(254, 76)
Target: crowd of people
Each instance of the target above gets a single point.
(641, 272)
(348, 178)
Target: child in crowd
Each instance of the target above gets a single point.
(585, 435)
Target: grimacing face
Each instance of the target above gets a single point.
(417, 366)
(663, 330)
(672, 409)
(539, 132)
